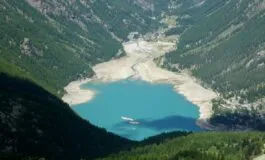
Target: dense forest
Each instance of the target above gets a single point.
(46, 44)
(222, 44)
(225, 48)
(199, 146)
(242, 118)
(63, 39)
(35, 123)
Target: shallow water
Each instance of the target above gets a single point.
(137, 109)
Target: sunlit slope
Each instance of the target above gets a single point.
(200, 146)
(55, 42)
(222, 45)
(225, 48)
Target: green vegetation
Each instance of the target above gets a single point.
(200, 146)
(35, 123)
(222, 49)
(124, 17)
(60, 44)
(53, 43)
(223, 46)
(238, 119)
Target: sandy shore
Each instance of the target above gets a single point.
(261, 157)
(75, 95)
(139, 64)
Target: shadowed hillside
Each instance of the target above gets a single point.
(37, 124)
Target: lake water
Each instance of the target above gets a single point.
(137, 109)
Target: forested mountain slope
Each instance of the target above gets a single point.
(62, 39)
(200, 146)
(225, 48)
(34, 123)
(52, 42)
(222, 44)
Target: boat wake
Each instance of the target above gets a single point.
(130, 120)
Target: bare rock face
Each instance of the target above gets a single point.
(27, 48)
(35, 3)
(145, 4)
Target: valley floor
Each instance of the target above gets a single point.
(139, 64)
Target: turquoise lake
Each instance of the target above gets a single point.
(137, 109)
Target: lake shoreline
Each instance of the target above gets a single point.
(139, 64)
(75, 94)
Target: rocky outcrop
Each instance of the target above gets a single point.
(27, 48)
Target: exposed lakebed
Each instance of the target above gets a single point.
(136, 109)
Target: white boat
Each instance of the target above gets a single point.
(127, 118)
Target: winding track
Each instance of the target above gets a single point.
(148, 56)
